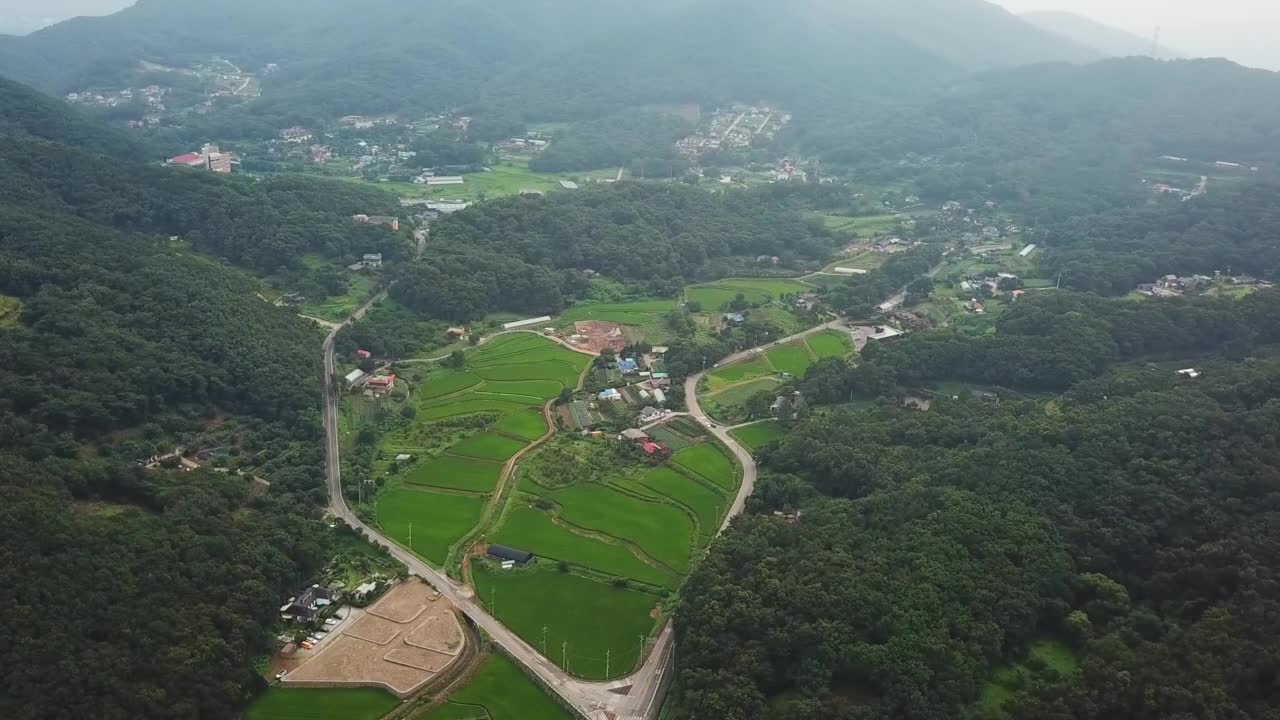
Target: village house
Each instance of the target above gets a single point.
(382, 383)
(634, 435)
(308, 603)
(610, 395)
(656, 450)
(370, 261)
(789, 407)
(456, 333)
(354, 377)
(650, 414)
(628, 366)
(392, 222)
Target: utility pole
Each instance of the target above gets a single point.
(493, 601)
(564, 655)
(410, 534)
(544, 640)
(643, 638)
(608, 654)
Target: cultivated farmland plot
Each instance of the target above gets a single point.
(444, 496)
(500, 691)
(755, 290)
(279, 703)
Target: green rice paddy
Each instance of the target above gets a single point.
(706, 504)
(500, 691)
(528, 424)
(428, 523)
(755, 290)
(488, 446)
(283, 703)
(708, 461)
(754, 437)
(531, 529)
(661, 530)
(454, 473)
(589, 624)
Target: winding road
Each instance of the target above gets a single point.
(635, 697)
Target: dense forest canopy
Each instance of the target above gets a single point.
(1133, 519)
(536, 254)
(142, 592)
(264, 226)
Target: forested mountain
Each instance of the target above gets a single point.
(544, 59)
(264, 226)
(535, 254)
(1063, 140)
(1103, 39)
(132, 592)
(27, 113)
(1131, 519)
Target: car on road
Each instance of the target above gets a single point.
(280, 675)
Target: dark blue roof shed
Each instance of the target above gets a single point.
(502, 552)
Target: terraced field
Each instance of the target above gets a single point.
(754, 437)
(600, 521)
(445, 490)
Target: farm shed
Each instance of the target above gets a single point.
(502, 552)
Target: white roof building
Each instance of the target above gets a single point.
(354, 376)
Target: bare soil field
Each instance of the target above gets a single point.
(400, 643)
(600, 335)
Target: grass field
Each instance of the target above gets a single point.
(756, 290)
(708, 461)
(435, 520)
(1053, 653)
(531, 529)
(594, 619)
(454, 473)
(863, 226)
(729, 402)
(644, 316)
(500, 691)
(281, 703)
(754, 368)
(754, 437)
(706, 504)
(792, 359)
(661, 530)
(488, 446)
(529, 425)
(830, 343)
(668, 437)
(338, 307)
(10, 309)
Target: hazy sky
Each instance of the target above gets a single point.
(1243, 30)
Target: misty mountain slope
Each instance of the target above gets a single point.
(25, 112)
(1102, 38)
(341, 56)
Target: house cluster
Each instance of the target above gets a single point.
(151, 98)
(295, 134)
(209, 158)
(377, 383)
(533, 143)
(788, 172)
(388, 220)
(656, 450)
(1174, 286)
(736, 128)
(889, 245)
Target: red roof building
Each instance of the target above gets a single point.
(363, 354)
(189, 159)
(382, 382)
(654, 449)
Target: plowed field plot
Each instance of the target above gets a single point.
(398, 644)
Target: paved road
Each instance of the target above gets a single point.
(592, 700)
